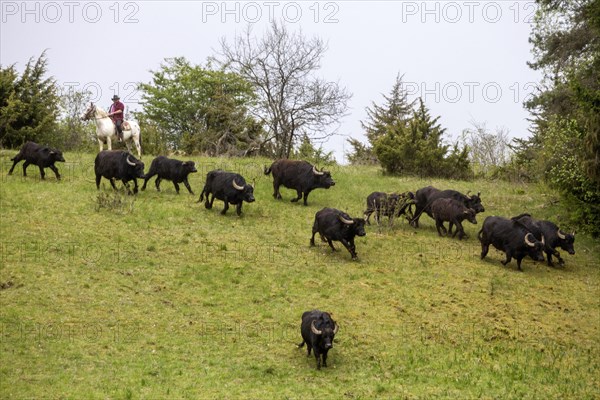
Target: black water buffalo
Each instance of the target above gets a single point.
(318, 331)
(510, 237)
(42, 156)
(427, 195)
(336, 225)
(453, 211)
(171, 170)
(299, 175)
(553, 236)
(228, 187)
(118, 164)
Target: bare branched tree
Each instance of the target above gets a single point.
(487, 149)
(293, 102)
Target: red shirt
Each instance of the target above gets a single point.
(114, 107)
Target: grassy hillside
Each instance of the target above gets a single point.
(153, 296)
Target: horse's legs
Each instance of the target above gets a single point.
(108, 143)
(138, 147)
(101, 144)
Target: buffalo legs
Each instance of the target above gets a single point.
(318, 356)
(300, 195)
(349, 245)
(276, 193)
(187, 185)
(16, 160)
(27, 163)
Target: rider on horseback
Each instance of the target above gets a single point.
(115, 112)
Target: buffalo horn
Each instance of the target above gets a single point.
(561, 235)
(543, 240)
(317, 172)
(346, 221)
(336, 329)
(235, 185)
(313, 329)
(529, 243)
(467, 195)
(129, 162)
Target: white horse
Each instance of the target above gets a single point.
(107, 131)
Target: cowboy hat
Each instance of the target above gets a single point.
(115, 97)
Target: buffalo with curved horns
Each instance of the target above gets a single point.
(228, 187)
(118, 164)
(299, 175)
(318, 330)
(511, 237)
(552, 234)
(333, 224)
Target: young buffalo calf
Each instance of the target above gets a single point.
(454, 212)
(42, 156)
(171, 170)
(318, 331)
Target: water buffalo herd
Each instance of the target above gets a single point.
(517, 237)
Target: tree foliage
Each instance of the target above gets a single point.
(318, 156)
(361, 153)
(292, 101)
(566, 48)
(71, 131)
(28, 104)
(198, 109)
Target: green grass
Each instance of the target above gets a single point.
(153, 296)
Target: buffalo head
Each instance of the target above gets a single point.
(323, 178)
(566, 241)
(326, 329)
(136, 165)
(246, 189)
(536, 248)
(474, 202)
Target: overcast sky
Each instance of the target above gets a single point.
(467, 59)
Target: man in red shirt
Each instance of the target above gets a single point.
(116, 113)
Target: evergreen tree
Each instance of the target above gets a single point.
(395, 112)
(307, 151)
(361, 154)
(414, 146)
(426, 142)
(396, 108)
(28, 104)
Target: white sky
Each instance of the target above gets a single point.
(467, 59)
